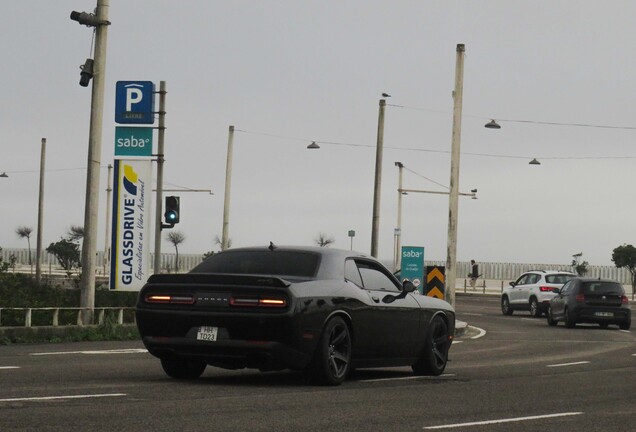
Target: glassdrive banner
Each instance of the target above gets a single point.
(131, 221)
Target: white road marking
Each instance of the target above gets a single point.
(508, 420)
(456, 342)
(46, 398)
(482, 332)
(9, 367)
(406, 378)
(120, 351)
(624, 331)
(473, 314)
(568, 364)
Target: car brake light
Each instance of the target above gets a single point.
(276, 302)
(624, 300)
(580, 297)
(545, 289)
(167, 299)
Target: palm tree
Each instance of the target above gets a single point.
(176, 238)
(323, 240)
(25, 232)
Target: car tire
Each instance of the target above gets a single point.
(505, 306)
(332, 359)
(625, 325)
(551, 321)
(569, 319)
(434, 356)
(535, 310)
(182, 369)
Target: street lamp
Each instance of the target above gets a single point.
(492, 124)
(398, 229)
(375, 222)
(534, 162)
(4, 174)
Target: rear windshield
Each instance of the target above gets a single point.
(266, 262)
(602, 288)
(558, 278)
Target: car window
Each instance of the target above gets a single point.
(263, 262)
(352, 273)
(533, 278)
(522, 280)
(602, 288)
(373, 278)
(566, 288)
(558, 278)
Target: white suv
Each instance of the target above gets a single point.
(533, 291)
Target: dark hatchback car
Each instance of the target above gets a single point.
(319, 310)
(586, 300)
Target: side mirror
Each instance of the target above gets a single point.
(512, 284)
(408, 286)
(556, 291)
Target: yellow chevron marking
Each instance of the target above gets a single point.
(435, 273)
(435, 292)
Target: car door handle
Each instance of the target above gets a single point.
(375, 299)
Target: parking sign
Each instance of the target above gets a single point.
(134, 102)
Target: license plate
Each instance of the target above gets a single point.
(207, 333)
(604, 314)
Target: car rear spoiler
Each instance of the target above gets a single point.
(218, 279)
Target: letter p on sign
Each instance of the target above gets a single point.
(134, 102)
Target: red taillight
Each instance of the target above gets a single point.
(275, 302)
(624, 300)
(546, 289)
(580, 297)
(169, 299)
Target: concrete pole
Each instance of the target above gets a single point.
(225, 240)
(89, 247)
(451, 258)
(109, 218)
(398, 234)
(38, 252)
(375, 223)
(159, 196)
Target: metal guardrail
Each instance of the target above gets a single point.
(55, 314)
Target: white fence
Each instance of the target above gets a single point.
(494, 271)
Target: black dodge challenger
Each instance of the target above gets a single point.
(323, 311)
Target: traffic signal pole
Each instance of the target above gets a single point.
(89, 247)
(156, 268)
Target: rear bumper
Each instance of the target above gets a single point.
(595, 315)
(229, 354)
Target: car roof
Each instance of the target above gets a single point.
(551, 272)
(331, 259)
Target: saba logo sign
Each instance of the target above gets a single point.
(133, 141)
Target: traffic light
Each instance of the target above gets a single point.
(86, 72)
(171, 215)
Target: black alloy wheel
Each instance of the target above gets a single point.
(569, 319)
(535, 311)
(505, 306)
(434, 356)
(332, 359)
(183, 369)
(551, 321)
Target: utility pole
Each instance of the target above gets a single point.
(398, 229)
(109, 217)
(451, 259)
(89, 247)
(38, 253)
(225, 240)
(159, 196)
(375, 223)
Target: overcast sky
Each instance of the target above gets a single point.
(289, 72)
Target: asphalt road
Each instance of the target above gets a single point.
(506, 374)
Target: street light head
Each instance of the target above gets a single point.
(492, 124)
(4, 174)
(534, 162)
(86, 72)
(313, 145)
(87, 19)
(473, 190)
(399, 165)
